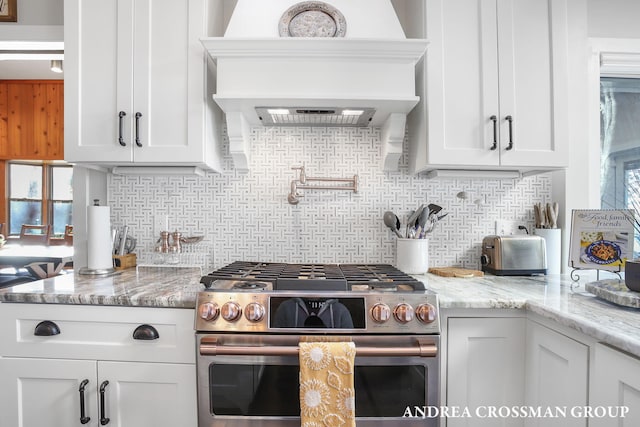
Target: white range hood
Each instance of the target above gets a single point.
(364, 78)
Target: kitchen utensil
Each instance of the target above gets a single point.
(129, 244)
(434, 209)
(552, 214)
(391, 220)
(123, 239)
(411, 221)
(425, 224)
(539, 216)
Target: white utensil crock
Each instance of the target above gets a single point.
(552, 238)
(412, 255)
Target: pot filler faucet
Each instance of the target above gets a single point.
(303, 179)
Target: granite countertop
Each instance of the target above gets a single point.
(145, 286)
(554, 297)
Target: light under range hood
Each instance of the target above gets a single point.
(366, 78)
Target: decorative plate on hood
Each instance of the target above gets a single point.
(312, 19)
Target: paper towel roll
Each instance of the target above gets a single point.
(99, 238)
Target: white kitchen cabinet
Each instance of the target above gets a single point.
(556, 375)
(615, 384)
(135, 76)
(150, 382)
(46, 392)
(485, 368)
(495, 80)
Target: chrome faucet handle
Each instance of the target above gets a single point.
(303, 175)
(294, 197)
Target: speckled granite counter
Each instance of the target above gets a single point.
(146, 286)
(553, 297)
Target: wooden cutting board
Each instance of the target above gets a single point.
(455, 272)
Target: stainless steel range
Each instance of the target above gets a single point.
(251, 317)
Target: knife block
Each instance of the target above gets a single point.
(120, 262)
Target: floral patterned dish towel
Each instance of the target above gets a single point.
(327, 395)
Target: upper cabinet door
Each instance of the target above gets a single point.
(96, 68)
(532, 45)
(495, 85)
(168, 75)
(461, 81)
(136, 83)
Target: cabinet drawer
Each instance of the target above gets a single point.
(97, 332)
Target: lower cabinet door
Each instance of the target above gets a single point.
(140, 394)
(45, 392)
(485, 369)
(556, 377)
(615, 387)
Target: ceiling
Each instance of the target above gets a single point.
(28, 70)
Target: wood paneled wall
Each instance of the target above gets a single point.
(32, 119)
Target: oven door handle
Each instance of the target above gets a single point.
(214, 348)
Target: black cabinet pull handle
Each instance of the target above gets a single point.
(145, 332)
(103, 420)
(121, 115)
(494, 119)
(138, 115)
(510, 120)
(46, 328)
(83, 418)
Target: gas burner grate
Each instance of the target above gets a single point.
(242, 270)
(322, 277)
(312, 271)
(379, 276)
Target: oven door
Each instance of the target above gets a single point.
(253, 380)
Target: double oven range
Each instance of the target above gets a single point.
(251, 317)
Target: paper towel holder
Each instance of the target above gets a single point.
(102, 272)
(86, 271)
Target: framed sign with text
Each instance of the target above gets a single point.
(8, 11)
(601, 239)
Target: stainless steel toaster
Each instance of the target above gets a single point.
(516, 255)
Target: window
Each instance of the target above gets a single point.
(39, 194)
(620, 145)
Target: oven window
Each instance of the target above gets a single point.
(272, 390)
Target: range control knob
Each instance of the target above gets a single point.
(426, 313)
(484, 259)
(380, 312)
(254, 312)
(209, 311)
(231, 311)
(403, 312)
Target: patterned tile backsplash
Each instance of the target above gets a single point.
(246, 216)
